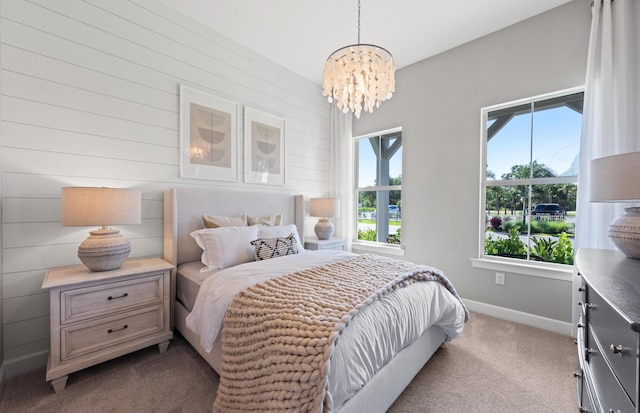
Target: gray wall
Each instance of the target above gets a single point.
(90, 98)
(438, 104)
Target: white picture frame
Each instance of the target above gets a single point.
(264, 144)
(208, 136)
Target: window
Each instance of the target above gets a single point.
(378, 160)
(530, 175)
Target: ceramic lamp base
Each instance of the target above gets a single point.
(104, 250)
(625, 232)
(324, 229)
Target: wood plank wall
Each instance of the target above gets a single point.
(89, 97)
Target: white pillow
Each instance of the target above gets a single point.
(226, 246)
(281, 231)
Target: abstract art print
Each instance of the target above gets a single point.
(263, 148)
(208, 136)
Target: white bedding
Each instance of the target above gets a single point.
(370, 340)
(188, 282)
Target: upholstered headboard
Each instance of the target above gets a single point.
(183, 208)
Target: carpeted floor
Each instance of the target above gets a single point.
(494, 366)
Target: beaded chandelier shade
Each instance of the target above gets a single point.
(359, 76)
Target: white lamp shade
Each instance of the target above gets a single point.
(325, 207)
(615, 178)
(83, 206)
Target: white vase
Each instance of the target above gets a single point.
(625, 232)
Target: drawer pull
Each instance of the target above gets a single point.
(577, 374)
(120, 296)
(111, 330)
(588, 305)
(588, 350)
(617, 349)
(579, 325)
(614, 411)
(582, 410)
(580, 289)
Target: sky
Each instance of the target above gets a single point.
(367, 164)
(556, 141)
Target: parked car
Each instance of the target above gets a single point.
(548, 209)
(393, 208)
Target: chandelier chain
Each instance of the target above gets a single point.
(358, 21)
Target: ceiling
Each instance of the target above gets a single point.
(301, 34)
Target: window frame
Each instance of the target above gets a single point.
(493, 262)
(362, 245)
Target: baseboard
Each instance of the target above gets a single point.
(544, 323)
(23, 364)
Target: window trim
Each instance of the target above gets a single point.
(371, 246)
(553, 271)
(492, 262)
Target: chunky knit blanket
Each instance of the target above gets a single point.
(279, 335)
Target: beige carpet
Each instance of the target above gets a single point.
(495, 366)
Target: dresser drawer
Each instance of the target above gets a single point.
(588, 403)
(610, 394)
(82, 303)
(613, 332)
(83, 338)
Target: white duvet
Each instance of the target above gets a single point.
(372, 338)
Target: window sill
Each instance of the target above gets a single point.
(377, 248)
(537, 269)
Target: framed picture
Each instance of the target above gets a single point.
(208, 136)
(263, 148)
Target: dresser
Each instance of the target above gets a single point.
(339, 244)
(608, 332)
(97, 316)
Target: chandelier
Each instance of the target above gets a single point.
(359, 76)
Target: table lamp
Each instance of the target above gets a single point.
(105, 249)
(324, 208)
(617, 179)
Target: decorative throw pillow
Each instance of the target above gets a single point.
(266, 248)
(226, 246)
(281, 231)
(212, 221)
(271, 221)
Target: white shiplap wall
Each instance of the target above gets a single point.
(89, 95)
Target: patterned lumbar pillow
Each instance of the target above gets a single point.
(275, 247)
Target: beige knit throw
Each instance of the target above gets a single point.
(279, 335)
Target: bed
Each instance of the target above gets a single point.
(183, 210)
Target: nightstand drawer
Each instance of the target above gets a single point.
(610, 394)
(339, 244)
(82, 303)
(614, 334)
(108, 332)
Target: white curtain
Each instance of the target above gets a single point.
(611, 118)
(341, 167)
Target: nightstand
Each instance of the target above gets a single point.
(339, 244)
(98, 316)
